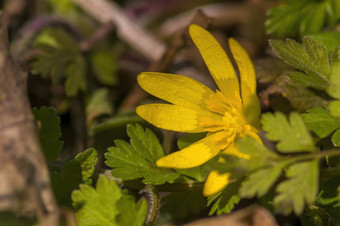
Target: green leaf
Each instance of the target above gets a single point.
(299, 189)
(59, 57)
(98, 104)
(73, 173)
(260, 156)
(49, 131)
(336, 138)
(329, 39)
(76, 79)
(225, 201)
(12, 219)
(334, 89)
(259, 182)
(310, 57)
(62, 6)
(181, 205)
(291, 135)
(87, 161)
(106, 205)
(104, 67)
(334, 108)
(138, 160)
(320, 121)
(302, 17)
(130, 212)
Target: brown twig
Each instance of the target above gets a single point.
(129, 31)
(97, 36)
(24, 178)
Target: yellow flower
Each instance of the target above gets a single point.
(230, 112)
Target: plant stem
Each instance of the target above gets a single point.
(153, 199)
(312, 156)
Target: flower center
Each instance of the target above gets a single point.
(235, 123)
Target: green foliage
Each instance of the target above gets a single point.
(259, 182)
(138, 159)
(310, 57)
(225, 201)
(107, 205)
(334, 108)
(302, 17)
(273, 71)
(292, 135)
(49, 131)
(60, 58)
(98, 104)
(329, 39)
(181, 205)
(104, 67)
(264, 169)
(12, 219)
(300, 188)
(62, 6)
(73, 173)
(322, 123)
(333, 89)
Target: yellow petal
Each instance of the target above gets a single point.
(215, 182)
(217, 62)
(251, 106)
(255, 135)
(176, 89)
(233, 150)
(194, 155)
(171, 117)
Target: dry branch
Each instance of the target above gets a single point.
(24, 178)
(128, 30)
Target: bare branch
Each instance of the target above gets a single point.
(128, 30)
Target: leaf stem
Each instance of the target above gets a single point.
(312, 156)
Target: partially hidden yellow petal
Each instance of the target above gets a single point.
(171, 117)
(217, 62)
(215, 182)
(251, 106)
(255, 135)
(176, 89)
(233, 150)
(194, 155)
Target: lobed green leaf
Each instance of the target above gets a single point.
(49, 131)
(259, 182)
(225, 201)
(107, 205)
(59, 57)
(320, 121)
(73, 173)
(138, 160)
(292, 135)
(299, 189)
(310, 57)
